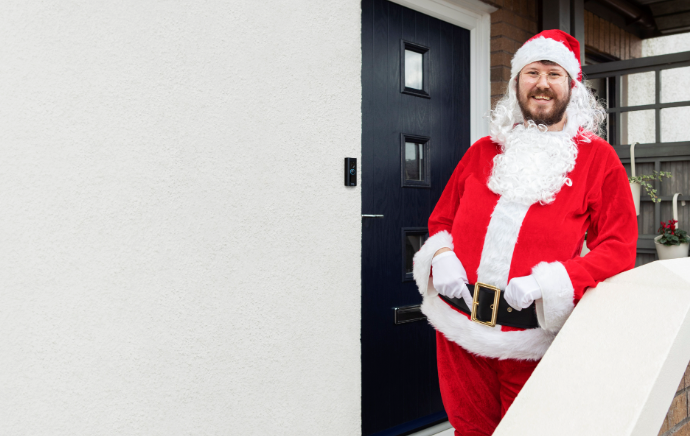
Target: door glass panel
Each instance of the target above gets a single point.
(674, 124)
(638, 89)
(638, 126)
(414, 76)
(413, 242)
(673, 86)
(414, 161)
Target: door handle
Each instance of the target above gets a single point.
(371, 216)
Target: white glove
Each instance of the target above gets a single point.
(522, 291)
(450, 278)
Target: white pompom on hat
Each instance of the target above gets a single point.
(549, 45)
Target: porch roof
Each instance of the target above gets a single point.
(644, 18)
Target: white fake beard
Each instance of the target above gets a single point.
(534, 164)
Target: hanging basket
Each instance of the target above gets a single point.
(666, 252)
(635, 189)
(634, 186)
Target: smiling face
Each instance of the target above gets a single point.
(545, 100)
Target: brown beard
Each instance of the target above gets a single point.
(556, 114)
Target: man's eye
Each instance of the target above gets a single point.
(532, 73)
(555, 75)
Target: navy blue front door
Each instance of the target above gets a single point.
(416, 128)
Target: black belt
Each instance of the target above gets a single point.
(485, 313)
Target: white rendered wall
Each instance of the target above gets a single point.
(178, 254)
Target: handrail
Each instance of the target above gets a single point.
(614, 367)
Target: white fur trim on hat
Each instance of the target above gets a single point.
(421, 269)
(545, 49)
(557, 302)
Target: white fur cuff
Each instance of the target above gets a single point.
(422, 261)
(556, 304)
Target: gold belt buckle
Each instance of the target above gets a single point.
(494, 307)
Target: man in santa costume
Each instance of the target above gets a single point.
(507, 232)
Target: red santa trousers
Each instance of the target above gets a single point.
(477, 391)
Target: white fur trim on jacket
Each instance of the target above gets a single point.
(499, 242)
(545, 49)
(421, 269)
(483, 340)
(557, 302)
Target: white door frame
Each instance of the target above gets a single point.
(472, 15)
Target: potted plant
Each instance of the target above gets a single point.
(644, 181)
(637, 182)
(672, 242)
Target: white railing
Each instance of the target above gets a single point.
(615, 366)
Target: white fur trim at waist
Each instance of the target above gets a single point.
(483, 340)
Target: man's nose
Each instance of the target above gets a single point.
(542, 82)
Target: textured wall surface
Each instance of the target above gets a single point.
(178, 254)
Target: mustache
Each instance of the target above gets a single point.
(543, 93)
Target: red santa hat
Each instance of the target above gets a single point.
(549, 45)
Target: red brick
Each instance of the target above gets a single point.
(678, 410)
(683, 431)
(664, 426)
(500, 16)
(501, 43)
(681, 385)
(686, 376)
(517, 6)
(506, 16)
(498, 88)
(509, 17)
(512, 32)
(501, 58)
(533, 10)
(500, 73)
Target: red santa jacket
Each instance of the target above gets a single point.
(497, 240)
